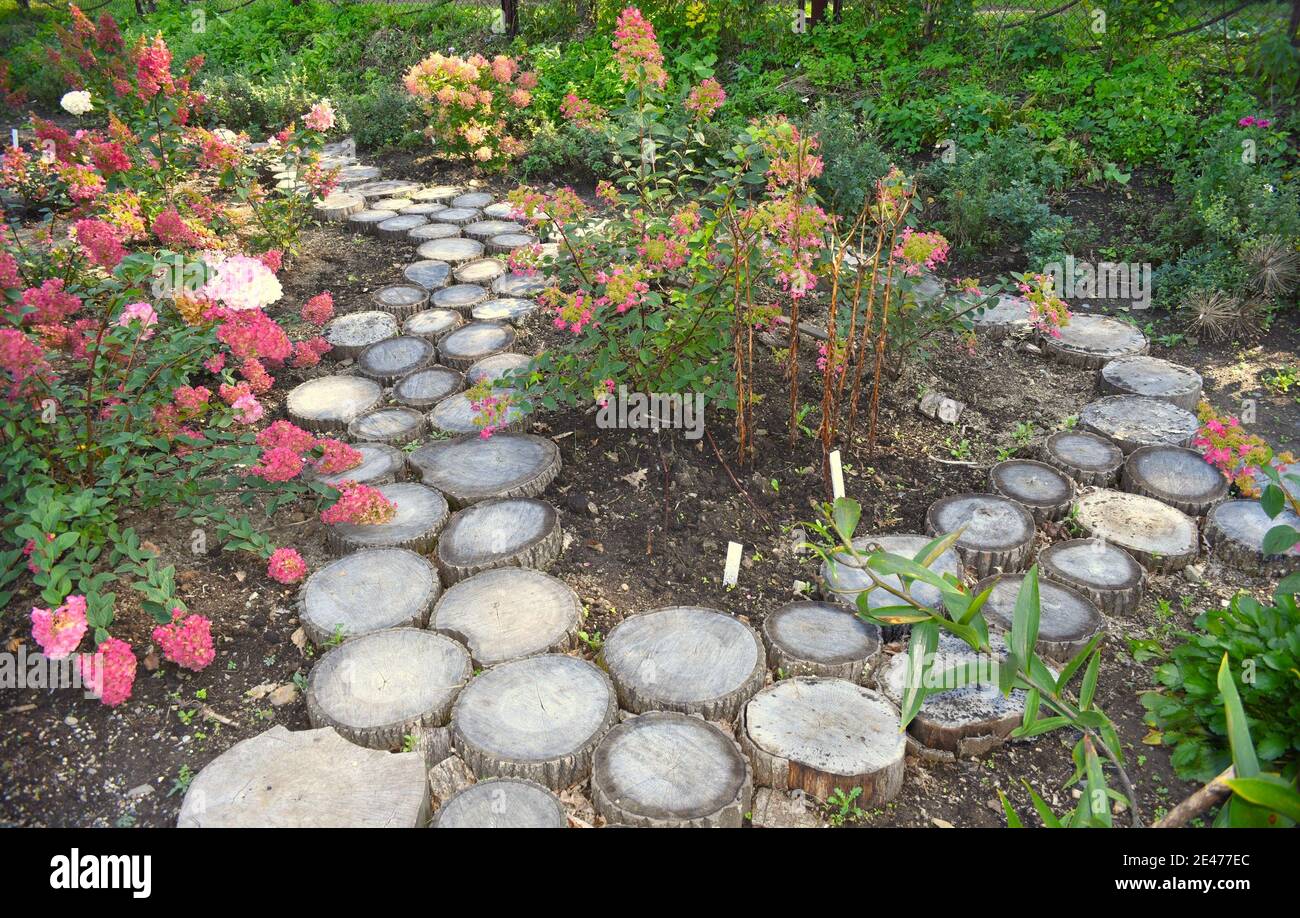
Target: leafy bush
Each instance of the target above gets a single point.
(382, 116)
(853, 156)
(565, 149)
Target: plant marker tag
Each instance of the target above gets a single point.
(731, 573)
(837, 476)
(13, 132)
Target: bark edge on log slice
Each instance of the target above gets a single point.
(1068, 619)
(820, 639)
(1105, 573)
(1152, 377)
(1235, 531)
(1175, 475)
(999, 532)
(389, 360)
(381, 463)
(470, 469)
(370, 590)
(1090, 459)
(502, 803)
(509, 613)
(1133, 421)
(350, 334)
(1091, 341)
(1046, 492)
(394, 424)
(499, 532)
(331, 403)
(1161, 538)
(421, 514)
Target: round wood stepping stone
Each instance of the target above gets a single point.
(1068, 619)
(844, 580)
(498, 366)
(395, 425)
(454, 250)
(350, 334)
(1153, 378)
(437, 194)
(471, 343)
(368, 591)
(1176, 476)
(999, 532)
(470, 469)
(432, 324)
(386, 188)
(1010, 315)
(503, 309)
(968, 720)
(425, 388)
(1042, 490)
(379, 687)
(456, 216)
(483, 230)
(665, 770)
(480, 271)
(401, 300)
(540, 719)
(460, 297)
(429, 232)
(687, 659)
(473, 200)
(815, 735)
(502, 803)
(330, 403)
(1089, 459)
(521, 285)
(339, 205)
(1235, 530)
(1091, 341)
(421, 208)
(365, 221)
(397, 204)
(508, 614)
(455, 415)
(1131, 421)
(389, 360)
(1105, 573)
(429, 273)
(500, 532)
(351, 176)
(307, 779)
(502, 210)
(421, 514)
(819, 639)
(381, 463)
(506, 243)
(400, 226)
(1160, 538)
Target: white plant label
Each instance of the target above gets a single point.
(837, 475)
(731, 573)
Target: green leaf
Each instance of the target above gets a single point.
(920, 650)
(1243, 750)
(1013, 821)
(1073, 666)
(1089, 686)
(1024, 622)
(1040, 806)
(1280, 539)
(845, 515)
(1269, 791)
(1273, 500)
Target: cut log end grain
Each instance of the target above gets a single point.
(1009, 315)
(502, 210)
(1134, 421)
(1175, 476)
(385, 188)
(471, 343)
(470, 469)
(432, 324)
(381, 463)
(480, 271)
(367, 221)
(307, 779)
(820, 639)
(431, 232)
(438, 194)
(483, 230)
(1103, 572)
(472, 200)
(998, 536)
(498, 366)
(1160, 537)
(348, 335)
(420, 516)
(668, 770)
(400, 300)
(331, 403)
(1235, 530)
(458, 217)
(389, 360)
(422, 208)
(1091, 341)
(508, 614)
(506, 243)
(687, 659)
(502, 803)
(1153, 378)
(396, 203)
(428, 273)
(1044, 491)
(455, 416)
(1068, 619)
(540, 719)
(350, 177)
(399, 226)
(503, 309)
(521, 285)
(502, 532)
(454, 250)
(368, 591)
(339, 206)
(381, 687)
(1091, 460)
(395, 425)
(460, 297)
(817, 735)
(425, 388)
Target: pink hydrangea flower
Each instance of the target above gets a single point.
(142, 313)
(100, 242)
(359, 504)
(186, 641)
(705, 98)
(319, 309)
(337, 456)
(286, 434)
(248, 410)
(321, 116)
(109, 673)
(286, 566)
(278, 464)
(60, 630)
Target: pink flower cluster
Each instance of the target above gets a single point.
(287, 449)
(705, 98)
(100, 242)
(59, 631)
(636, 50)
(1251, 121)
(186, 641)
(286, 566)
(109, 673)
(581, 112)
(916, 250)
(359, 504)
(321, 116)
(319, 309)
(241, 283)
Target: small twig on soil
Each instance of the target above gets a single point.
(766, 519)
(1211, 795)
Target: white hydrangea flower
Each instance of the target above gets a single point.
(77, 102)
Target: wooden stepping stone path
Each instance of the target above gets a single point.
(687, 659)
(503, 309)
(816, 735)
(381, 463)
(389, 360)
(845, 580)
(999, 532)
(508, 614)
(1131, 421)
(429, 232)
(1176, 476)
(422, 208)
(350, 334)
(398, 204)
(498, 366)
(400, 226)
(1161, 538)
(480, 271)
(307, 779)
(506, 243)
(502, 210)
(1235, 530)
(483, 230)
(1091, 341)
(470, 469)
(368, 591)
(429, 273)
(520, 285)
(1010, 315)
(459, 217)
(331, 403)
(381, 687)
(1068, 619)
(400, 300)
(1042, 490)
(1103, 572)
(386, 188)
(502, 803)
(460, 297)
(471, 343)
(339, 206)
(1089, 459)
(395, 425)
(425, 388)
(664, 770)
(501, 532)
(473, 200)
(436, 194)
(819, 639)
(455, 416)
(366, 221)
(1153, 378)
(452, 250)
(539, 719)
(432, 324)
(421, 514)
(352, 176)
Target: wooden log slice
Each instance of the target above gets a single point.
(381, 463)
(506, 243)
(460, 297)
(400, 300)
(520, 285)
(399, 227)
(385, 188)
(503, 309)
(1235, 530)
(1105, 573)
(501, 210)
(1091, 341)
(1153, 378)
(500, 532)
(422, 208)
(389, 360)
(428, 273)
(432, 324)
(1176, 476)
(471, 343)
(1161, 538)
(383, 686)
(1132, 421)
(421, 514)
(472, 200)
(498, 366)
(1009, 316)
(1089, 459)
(455, 416)
(354, 175)
(815, 735)
(459, 217)
(425, 388)
(508, 614)
(395, 425)
(368, 591)
(820, 639)
(480, 271)
(339, 206)
(1042, 490)
(999, 533)
(470, 469)
(540, 719)
(431, 232)
(350, 334)
(365, 221)
(483, 230)
(307, 779)
(330, 403)
(842, 578)
(1068, 619)
(395, 203)
(665, 770)
(502, 803)
(686, 659)
(453, 250)
(437, 194)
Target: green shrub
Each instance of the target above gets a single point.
(565, 149)
(257, 104)
(853, 157)
(382, 116)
